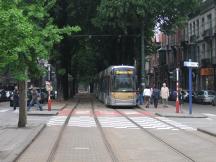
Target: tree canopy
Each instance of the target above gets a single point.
(27, 35)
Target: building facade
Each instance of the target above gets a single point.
(197, 41)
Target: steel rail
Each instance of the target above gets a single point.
(183, 130)
(157, 138)
(105, 140)
(56, 144)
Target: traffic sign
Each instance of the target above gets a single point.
(191, 64)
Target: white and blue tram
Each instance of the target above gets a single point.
(116, 86)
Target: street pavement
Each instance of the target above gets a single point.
(171, 112)
(15, 140)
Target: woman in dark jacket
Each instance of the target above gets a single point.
(155, 96)
(15, 98)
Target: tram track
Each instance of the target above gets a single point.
(105, 140)
(174, 126)
(59, 137)
(108, 146)
(182, 154)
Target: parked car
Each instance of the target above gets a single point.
(4, 95)
(214, 101)
(193, 97)
(173, 94)
(185, 94)
(205, 96)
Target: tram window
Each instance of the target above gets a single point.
(123, 83)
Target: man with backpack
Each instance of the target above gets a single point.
(35, 99)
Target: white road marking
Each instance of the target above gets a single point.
(176, 124)
(4, 110)
(151, 123)
(57, 120)
(82, 121)
(116, 122)
(211, 115)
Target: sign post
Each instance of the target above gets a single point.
(190, 65)
(49, 89)
(177, 89)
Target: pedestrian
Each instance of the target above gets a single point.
(147, 95)
(155, 96)
(35, 99)
(139, 96)
(180, 97)
(164, 94)
(15, 98)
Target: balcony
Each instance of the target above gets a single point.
(193, 39)
(207, 33)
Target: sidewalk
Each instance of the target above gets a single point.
(14, 140)
(170, 112)
(55, 107)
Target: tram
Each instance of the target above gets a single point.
(116, 86)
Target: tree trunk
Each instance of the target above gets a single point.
(22, 103)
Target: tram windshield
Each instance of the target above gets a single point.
(123, 83)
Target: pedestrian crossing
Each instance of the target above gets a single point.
(151, 123)
(176, 124)
(82, 121)
(116, 122)
(119, 122)
(57, 121)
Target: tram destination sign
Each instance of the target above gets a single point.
(119, 72)
(191, 64)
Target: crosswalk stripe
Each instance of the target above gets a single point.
(82, 121)
(4, 110)
(151, 123)
(116, 122)
(176, 124)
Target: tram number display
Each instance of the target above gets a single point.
(127, 72)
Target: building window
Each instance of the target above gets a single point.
(198, 54)
(190, 29)
(203, 50)
(203, 24)
(197, 27)
(194, 28)
(209, 23)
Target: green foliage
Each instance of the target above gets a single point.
(27, 35)
(84, 63)
(124, 14)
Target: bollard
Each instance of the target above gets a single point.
(49, 102)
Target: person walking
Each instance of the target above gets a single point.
(35, 99)
(147, 95)
(180, 96)
(164, 94)
(139, 96)
(15, 98)
(155, 96)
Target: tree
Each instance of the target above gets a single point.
(68, 12)
(141, 17)
(27, 35)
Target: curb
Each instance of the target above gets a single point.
(206, 132)
(180, 115)
(15, 154)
